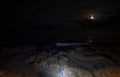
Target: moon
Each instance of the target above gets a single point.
(92, 17)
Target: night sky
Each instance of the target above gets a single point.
(35, 22)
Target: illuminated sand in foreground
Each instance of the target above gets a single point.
(76, 62)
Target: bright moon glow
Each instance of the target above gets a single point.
(92, 17)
